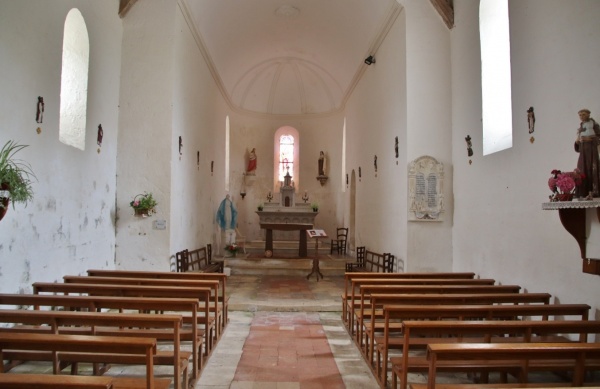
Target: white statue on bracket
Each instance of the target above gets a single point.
(425, 189)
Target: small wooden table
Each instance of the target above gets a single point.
(316, 235)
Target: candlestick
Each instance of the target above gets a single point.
(305, 196)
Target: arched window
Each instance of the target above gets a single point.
(227, 145)
(496, 99)
(286, 153)
(74, 81)
(344, 174)
(286, 156)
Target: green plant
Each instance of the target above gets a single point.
(315, 206)
(16, 175)
(260, 206)
(144, 202)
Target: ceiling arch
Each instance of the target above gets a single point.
(290, 57)
(287, 85)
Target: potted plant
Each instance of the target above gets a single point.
(143, 205)
(232, 249)
(260, 207)
(315, 207)
(15, 177)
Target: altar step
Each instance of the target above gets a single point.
(286, 248)
(246, 265)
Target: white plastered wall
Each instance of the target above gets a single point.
(146, 148)
(199, 115)
(500, 230)
(406, 93)
(168, 93)
(375, 115)
(429, 244)
(69, 226)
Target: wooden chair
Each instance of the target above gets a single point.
(359, 265)
(339, 244)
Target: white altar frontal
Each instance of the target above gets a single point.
(289, 220)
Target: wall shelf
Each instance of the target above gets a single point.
(572, 215)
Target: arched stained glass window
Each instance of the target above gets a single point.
(286, 156)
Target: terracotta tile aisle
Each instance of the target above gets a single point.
(285, 332)
(288, 348)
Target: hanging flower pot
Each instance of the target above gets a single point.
(3, 200)
(141, 212)
(16, 177)
(143, 205)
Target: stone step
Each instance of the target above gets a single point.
(285, 244)
(242, 265)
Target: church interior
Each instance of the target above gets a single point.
(249, 128)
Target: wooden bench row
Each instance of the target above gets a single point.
(418, 335)
(222, 278)
(376, 312)
(350, 288)
(182, 306)
(521, 358)
(158, 327)
(61, 346)
(200, 306)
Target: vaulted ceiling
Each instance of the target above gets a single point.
(290, 57)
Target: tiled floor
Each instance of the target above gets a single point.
(285, 332)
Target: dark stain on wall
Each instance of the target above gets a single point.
(51, 204)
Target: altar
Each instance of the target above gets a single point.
(286, 215)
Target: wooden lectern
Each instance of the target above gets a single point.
(316, 235)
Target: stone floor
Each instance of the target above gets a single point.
(285, 332)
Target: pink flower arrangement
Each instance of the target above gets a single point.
(564, 183)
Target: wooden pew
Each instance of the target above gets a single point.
(348, 276)
(418, 334)
(86, 347)
(379, 300)
(106, 324)
(222, 278)
(366, 289)
(142, 304)
(213, 284)
(364, 286)
(201, 294)
(394, 315)
(573, 357)
(47, 381)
